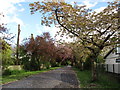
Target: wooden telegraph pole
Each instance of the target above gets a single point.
(17, 49)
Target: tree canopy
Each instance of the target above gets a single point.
(94, 30)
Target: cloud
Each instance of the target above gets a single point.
(19, 4)
(89, 4)
(89, 0)
(8, 8)
(21, 10)
(17, 20)
(52, 30)
(31, 1)
(99, 9)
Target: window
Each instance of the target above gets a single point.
(118, 60)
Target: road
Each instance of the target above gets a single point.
(63, 77)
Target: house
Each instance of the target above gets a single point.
(112, 60)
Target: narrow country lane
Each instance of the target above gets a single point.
(63, 77)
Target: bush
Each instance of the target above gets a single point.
(7, 72)
(26, 63)
(78, 65)
(16, 71)
(47, 64)
(30, 64)
(87, 64)
(12, 72)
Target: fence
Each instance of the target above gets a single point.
(114, 68)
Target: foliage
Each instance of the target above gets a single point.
(38, 52)
(6, 72)
(100, 59)
(5, 48)
(11, 72)
(41, 52)
(6, 54)
(80, 54)
(64, 54)
(93, 30)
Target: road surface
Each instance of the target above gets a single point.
(63, 77)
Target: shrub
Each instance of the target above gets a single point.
(12, 72)
(7, 72)
(87, 64)
(47, 64)
(16, 71)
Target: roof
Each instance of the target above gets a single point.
(108, 53)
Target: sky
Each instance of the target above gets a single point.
(18, 12)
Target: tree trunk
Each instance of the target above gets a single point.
(94, 61)
(94, 72)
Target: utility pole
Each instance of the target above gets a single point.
(17, 49)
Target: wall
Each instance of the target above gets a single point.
(114, 68)
(111, 65)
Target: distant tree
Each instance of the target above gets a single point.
(64, 54)
(5, 54)
(80, 54)
(5, 48)
(39, 50)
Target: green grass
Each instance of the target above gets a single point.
(105, 80)
(17, 75)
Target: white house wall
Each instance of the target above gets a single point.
(111, 58)
(118, 49)
(109, 61)
(110, 68)
(117, 68)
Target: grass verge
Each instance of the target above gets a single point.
(105, 80)
(17, 75)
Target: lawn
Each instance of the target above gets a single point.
(20, 74)
(105, 80)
